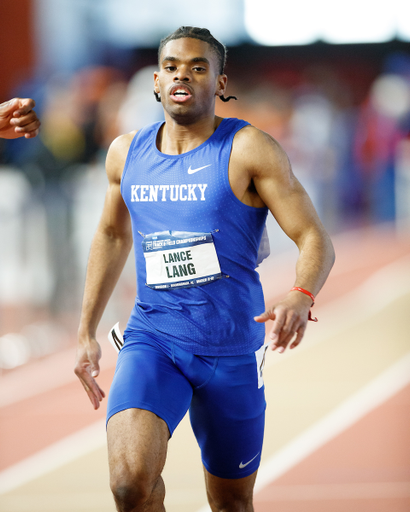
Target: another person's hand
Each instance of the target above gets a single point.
(290, 317)
(18, 119)
(87, 368)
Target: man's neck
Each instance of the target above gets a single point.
(175, 138)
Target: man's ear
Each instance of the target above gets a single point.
(156, 80)
(222, 84)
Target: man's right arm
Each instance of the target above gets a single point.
(110, 248)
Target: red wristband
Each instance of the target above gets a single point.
(305, 292)
(296, 288)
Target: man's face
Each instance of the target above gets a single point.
(188, 80)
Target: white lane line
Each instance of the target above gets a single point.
(379, 390)
(378, 291)
(93, 437)
(393, 280)
(55, 370)
(58, 454)
(349, 412)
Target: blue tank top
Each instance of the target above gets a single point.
(196, 246)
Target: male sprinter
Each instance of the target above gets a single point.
(18, 119)
(193, 193)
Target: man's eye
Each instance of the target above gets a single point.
(170, 68)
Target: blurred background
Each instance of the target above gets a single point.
(331, 82)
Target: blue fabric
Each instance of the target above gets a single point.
(216, 318)
(227, 410)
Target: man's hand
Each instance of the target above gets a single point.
(18, 119)
(290, 317)
(87, 368)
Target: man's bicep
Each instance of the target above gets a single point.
(285, 197)
(115, 219)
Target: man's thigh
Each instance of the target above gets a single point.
(147, 378)
(228, 418)
(137, 445)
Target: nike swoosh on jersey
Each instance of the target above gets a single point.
(242, 465)
(192, 171)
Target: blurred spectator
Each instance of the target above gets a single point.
(71, 136)
(139, 106)
(378, 132)
(347, 135)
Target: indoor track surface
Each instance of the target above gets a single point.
(338, 417)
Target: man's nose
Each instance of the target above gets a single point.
(182, 75)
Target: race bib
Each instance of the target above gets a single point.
(180, 259)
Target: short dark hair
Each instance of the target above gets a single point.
(202, 34)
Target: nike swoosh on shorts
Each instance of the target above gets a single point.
(242, 465)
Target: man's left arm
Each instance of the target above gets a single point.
(292, 208)
(18, 119)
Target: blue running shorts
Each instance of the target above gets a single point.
(225, 397)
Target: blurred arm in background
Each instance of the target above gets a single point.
(18, 119)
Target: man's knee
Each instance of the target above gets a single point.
(129, 492)
(230, 503)
(132, 491)
(230, 495)
(137, 444)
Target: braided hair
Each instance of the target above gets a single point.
(202, 34)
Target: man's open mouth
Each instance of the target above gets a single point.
(180, 93)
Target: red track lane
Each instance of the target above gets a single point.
(31, 424)
(365, 469)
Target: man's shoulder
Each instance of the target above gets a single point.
(122, 143)
(256, 152)
(117, 155)
(250, 138)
